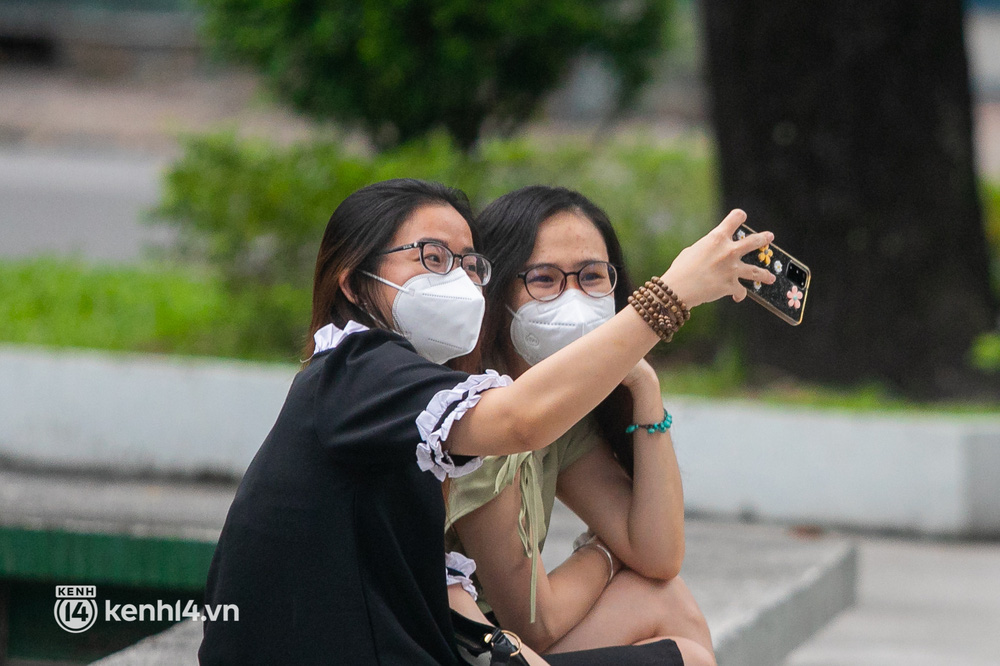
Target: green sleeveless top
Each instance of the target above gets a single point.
(539, 471)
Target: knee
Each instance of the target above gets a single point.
(672, 599)
(677, 615)
(667, 609)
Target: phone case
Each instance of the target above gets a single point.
(787, 296)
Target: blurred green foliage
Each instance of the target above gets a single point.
(990, 197)
(985, 352)
(63, 303)
(164, 309)
(255, 212)
(403, 68)
(250, 215)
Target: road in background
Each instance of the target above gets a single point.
(76, 204)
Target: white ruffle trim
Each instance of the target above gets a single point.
(330, 336)
(464, 564)
(434, 430)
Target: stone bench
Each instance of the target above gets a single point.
(104, 448)
(764, 591)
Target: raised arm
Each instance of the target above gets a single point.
(640, 519)
(551, 396)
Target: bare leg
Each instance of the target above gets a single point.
(634, 609)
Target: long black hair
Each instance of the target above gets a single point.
(361, 226)
(508, 229)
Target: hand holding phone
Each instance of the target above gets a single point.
(786, 297)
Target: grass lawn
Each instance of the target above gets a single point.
(160, 308)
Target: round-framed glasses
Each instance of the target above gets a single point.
(546, 282)
(437, 258)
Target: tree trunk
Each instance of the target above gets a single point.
(845, 127)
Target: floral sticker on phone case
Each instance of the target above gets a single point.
(794, 297)
(765, 254)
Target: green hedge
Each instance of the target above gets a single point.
(255, 212)
(149, 309)
(985, 353)
(250, 216)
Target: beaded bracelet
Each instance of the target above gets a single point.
(651, 428)
(660, 308)
(654, 313)
(685, 313)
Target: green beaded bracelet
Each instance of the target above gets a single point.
(651, 428)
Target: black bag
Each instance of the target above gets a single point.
(485, 645)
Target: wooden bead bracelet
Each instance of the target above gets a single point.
(660, 308)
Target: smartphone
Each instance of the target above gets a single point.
(786, 298)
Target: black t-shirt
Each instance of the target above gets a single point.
(332, 549)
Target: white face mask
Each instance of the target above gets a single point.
(439, 314)
(540, 329)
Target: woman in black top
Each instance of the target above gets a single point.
(332, 548)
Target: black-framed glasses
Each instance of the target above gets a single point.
(546, 282)
(437, 258)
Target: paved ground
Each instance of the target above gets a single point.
(919, 603)
(56, 109)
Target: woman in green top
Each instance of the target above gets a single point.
(558, 275)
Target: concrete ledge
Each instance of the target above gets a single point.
(817, 584)
(763, 591)
(136, 413)
(140, 533)
(906, 471)
(159, 508)
(177, 646)
(917, 472)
